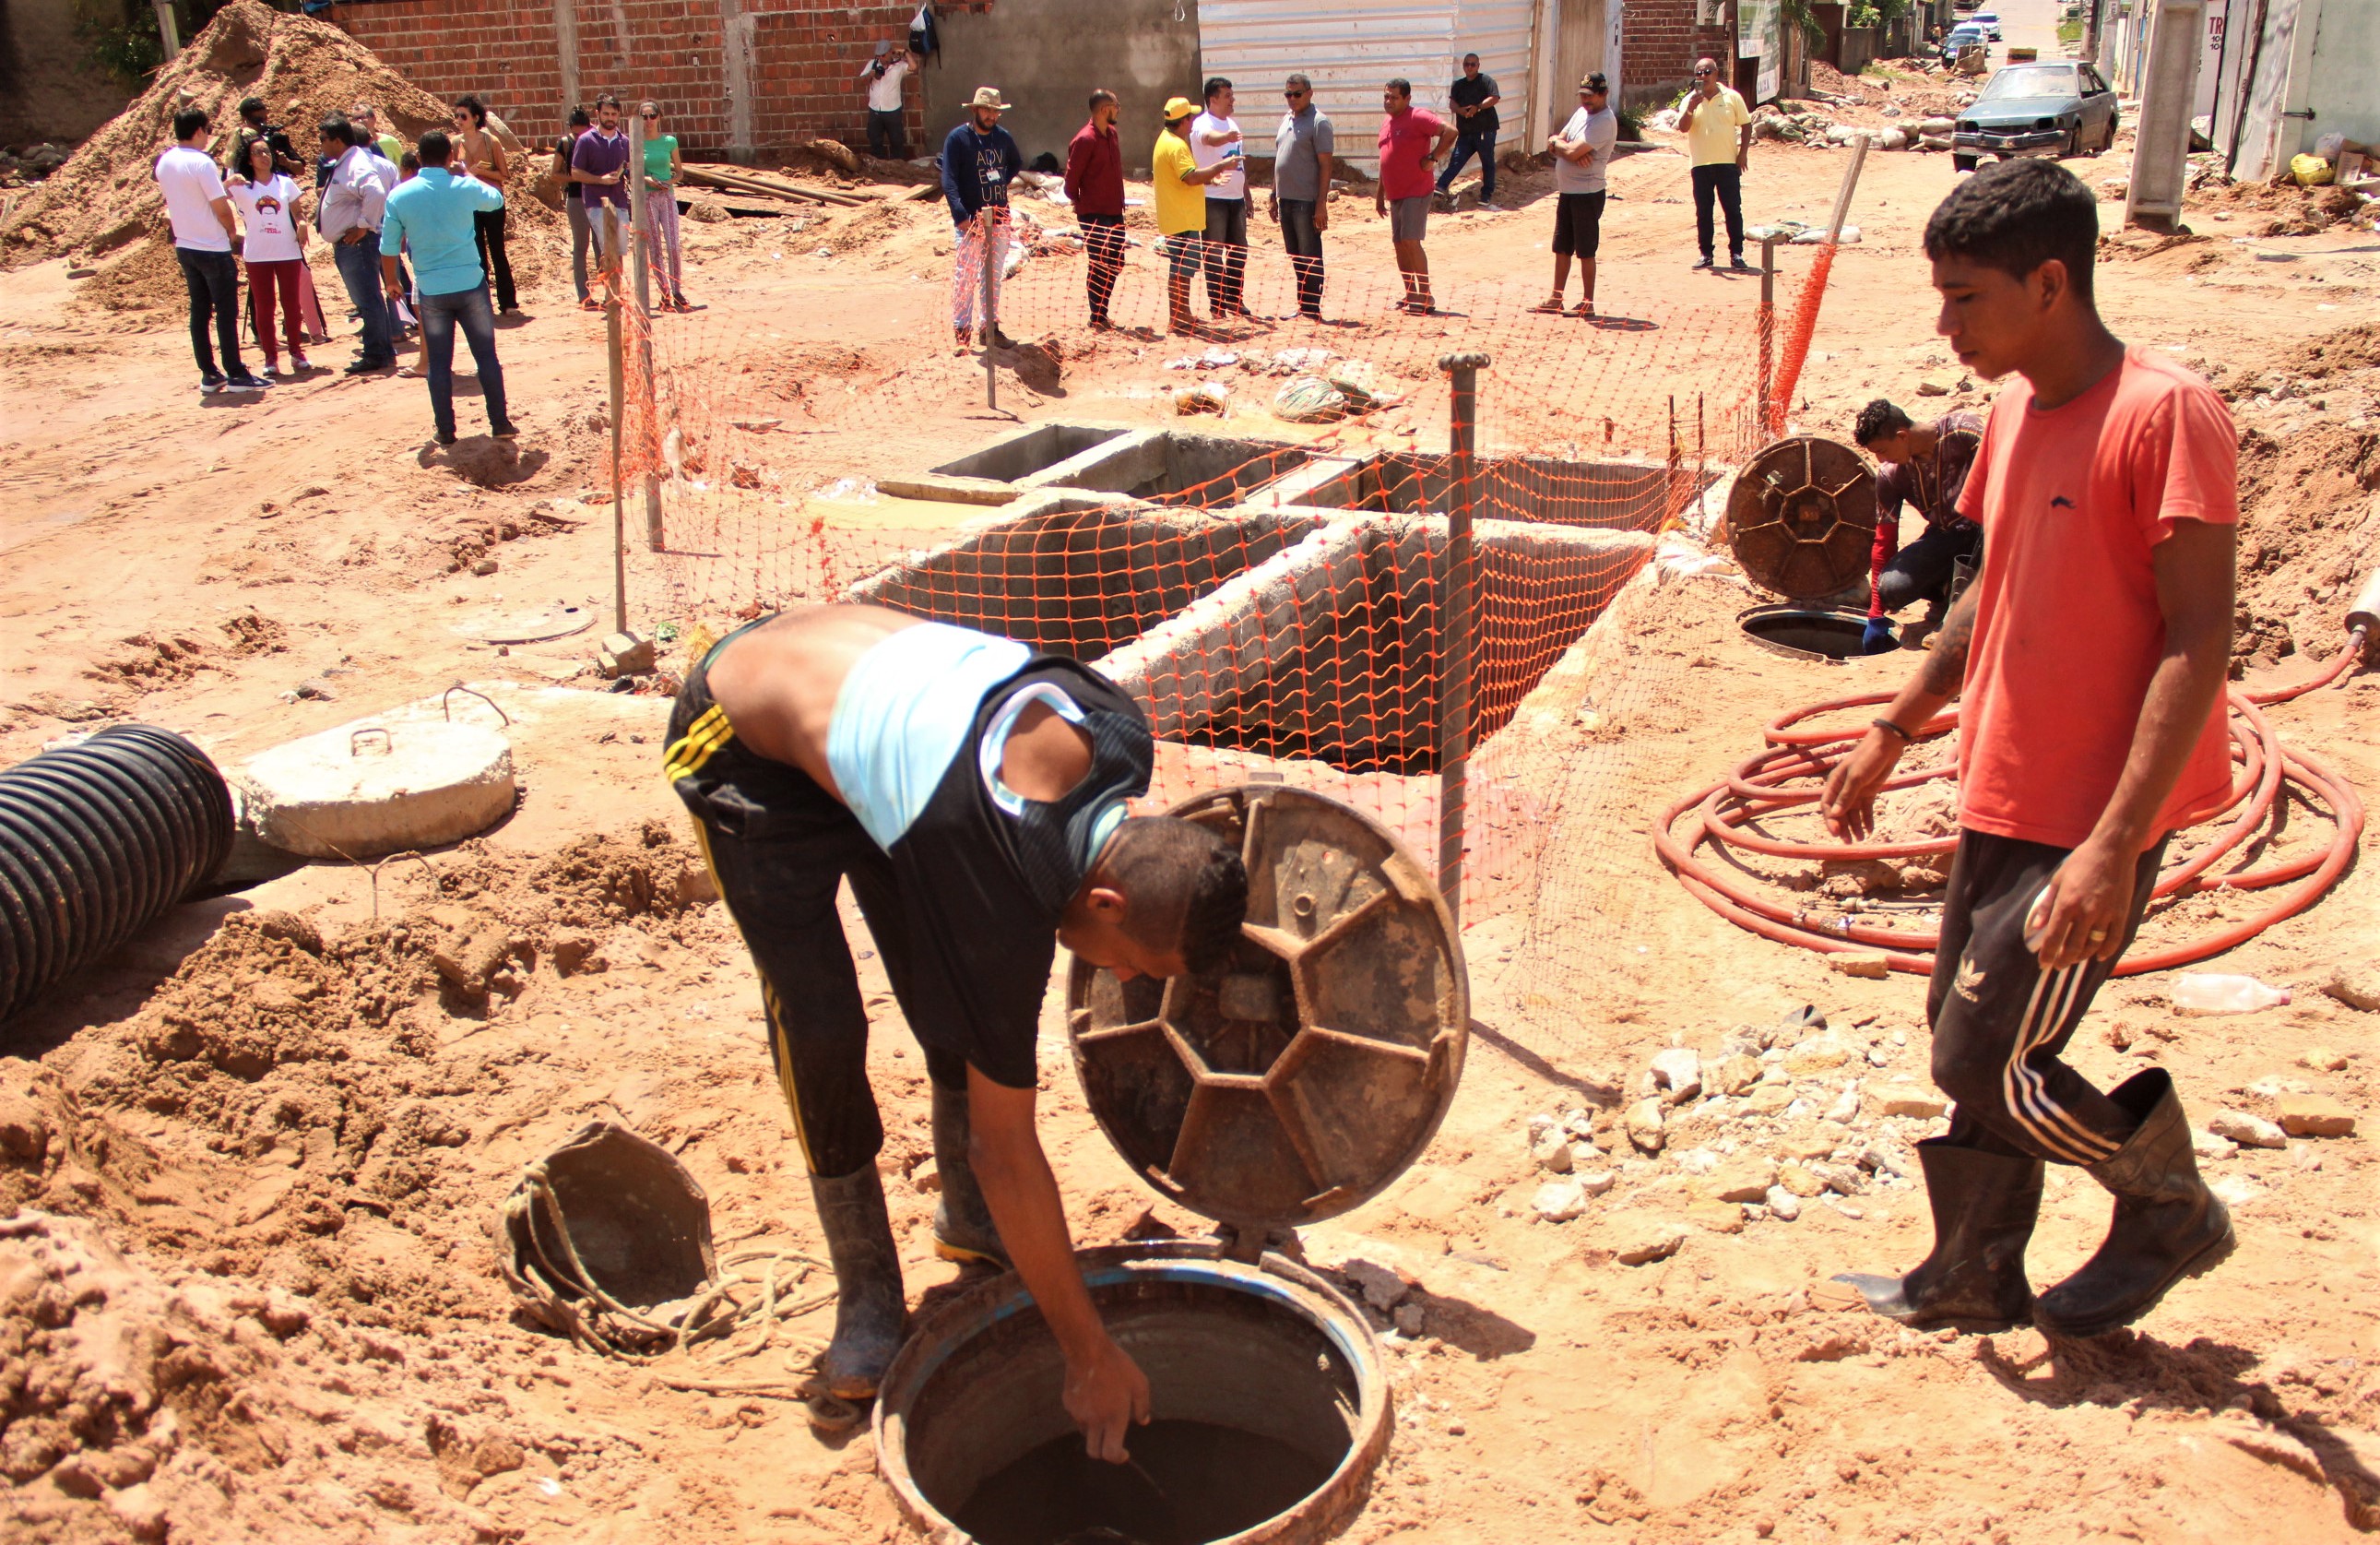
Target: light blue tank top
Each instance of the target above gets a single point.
(904, 711)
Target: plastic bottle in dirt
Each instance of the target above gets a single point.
(2213, 992)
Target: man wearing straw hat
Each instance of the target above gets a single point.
(979, 159)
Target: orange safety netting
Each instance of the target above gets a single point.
(1253, 532)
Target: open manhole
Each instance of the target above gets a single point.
(1617, 495)
(1334, 650)
(1171, 466)
(1805, 633)
(1082, 581)
(1019, 456)
(1271, 1411)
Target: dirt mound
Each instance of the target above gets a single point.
(2310, 531)
(103, 206)
(2350, 349)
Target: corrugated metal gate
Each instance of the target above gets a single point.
(1351, 49)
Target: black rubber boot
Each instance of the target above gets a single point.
(870, 1314)
(2168, 1226)
(1983, 1207)
(964, 1231)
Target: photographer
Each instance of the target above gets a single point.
(888, 134)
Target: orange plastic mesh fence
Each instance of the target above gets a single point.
(1249, 530)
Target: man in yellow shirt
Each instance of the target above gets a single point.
(1182, 212)
(1718, 141)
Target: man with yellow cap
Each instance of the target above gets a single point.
(1180, 184)
(979, 159)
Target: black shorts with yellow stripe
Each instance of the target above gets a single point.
(780, 847)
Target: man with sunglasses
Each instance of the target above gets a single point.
(1717, 127)
(1302, 152)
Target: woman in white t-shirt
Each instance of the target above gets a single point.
(274, 245)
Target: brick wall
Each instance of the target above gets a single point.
(1660, 40)
(804, 61)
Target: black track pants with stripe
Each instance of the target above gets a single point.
(2000, 1022)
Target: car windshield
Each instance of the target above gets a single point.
(2038, 80)
(1964, 31)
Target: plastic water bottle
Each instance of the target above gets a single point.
(2212, 993)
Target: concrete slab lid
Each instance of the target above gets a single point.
(361, 791)
(525, 625)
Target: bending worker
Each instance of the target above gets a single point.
(1924, 466)
(973, 792)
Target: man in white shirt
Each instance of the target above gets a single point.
(1214, 140)
(1582, 153)
(888, 130)
(199, 211)
(354, 202)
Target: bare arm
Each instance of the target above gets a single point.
(1848, 805)
(2089, 897)
(221, 204)
(1105, 1391)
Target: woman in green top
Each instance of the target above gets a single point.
(661, 206)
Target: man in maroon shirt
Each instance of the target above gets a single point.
(1412, 141)
(1095, 187)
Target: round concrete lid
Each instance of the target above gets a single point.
(1802, 517)
(1300, 1077)
(363, 790)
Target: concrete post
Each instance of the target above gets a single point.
(172, 35)
(2168, 90)
(1458, 602)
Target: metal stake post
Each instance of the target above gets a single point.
(1767, 328)
(640, 249)
(1460, 598)
(619, 384)
(983, 312)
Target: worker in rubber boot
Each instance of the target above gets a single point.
(2091, 652)
(974, 794)
(1923, 466)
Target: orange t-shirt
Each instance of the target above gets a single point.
(2069, 631)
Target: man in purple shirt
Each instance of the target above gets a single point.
(598, 163)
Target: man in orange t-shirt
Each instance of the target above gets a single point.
(2092, 652)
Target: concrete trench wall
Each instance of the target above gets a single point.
(1331, 650)
(1078, 575)
(1611, 495)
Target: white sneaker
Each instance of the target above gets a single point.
(1486, 208)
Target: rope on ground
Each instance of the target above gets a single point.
(1791, 772)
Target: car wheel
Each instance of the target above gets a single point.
(2073, 143)
(1962, 162)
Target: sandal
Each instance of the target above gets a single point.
(1584, 310)
(1552, 308)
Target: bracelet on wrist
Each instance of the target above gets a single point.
(1887, 725)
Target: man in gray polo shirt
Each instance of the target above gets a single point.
(1301, 149)
(1581, 154)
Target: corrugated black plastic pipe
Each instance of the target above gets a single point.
(98, 841)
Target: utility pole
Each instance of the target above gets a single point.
(2169, 89)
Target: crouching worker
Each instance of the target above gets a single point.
(973, 792)
(2091, 652)
(1924, 466)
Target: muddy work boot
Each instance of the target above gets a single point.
(1983, 1207)
(870, 1315)
(964, 1231)
(2168, 1226)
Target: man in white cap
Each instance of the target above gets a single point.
(979, 159)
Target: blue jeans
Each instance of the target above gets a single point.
(1467, 145)
(439, 314)
(359, 265)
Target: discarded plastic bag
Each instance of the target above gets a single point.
(1309, 399)
(2217, 993)
(1207, 396)
(1814, 238)
(2311, 171)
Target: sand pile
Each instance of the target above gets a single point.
(103, 207)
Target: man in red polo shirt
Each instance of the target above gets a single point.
(1095, 187)
(1411, 143)
(2092, 650)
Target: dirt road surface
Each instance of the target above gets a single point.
(260, 1149)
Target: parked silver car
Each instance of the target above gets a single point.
(2052, 110)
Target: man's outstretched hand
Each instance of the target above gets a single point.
(1106, 1394)
(1848, 806)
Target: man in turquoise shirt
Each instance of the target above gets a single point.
(434, 212)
